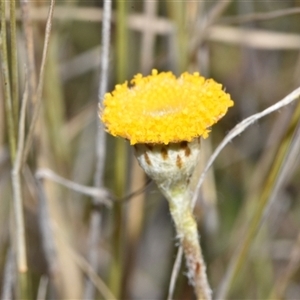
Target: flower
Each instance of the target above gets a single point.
(162, 109)
(164, 118)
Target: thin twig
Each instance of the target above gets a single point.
(96, 218)
(175, 272)
(137, 192)
(38, 92)
(238, 129)
(105, 49)
(101, 194)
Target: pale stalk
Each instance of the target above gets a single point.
(186, 227)
(171, 167)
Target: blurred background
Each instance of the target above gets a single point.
(116, 240)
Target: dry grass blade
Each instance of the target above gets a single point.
(9, 279)
(29, 44)
(39, 91)
(11, 115)
(283, 280)
(14, 62)
(42, 290)
(135, 20)
(260, 16)
(21, 134)
(48, 242)
(287, 170)
(258, 39)
(65, 12)
(116, 271)
(18, 204)
(95, 279)
(7, 88)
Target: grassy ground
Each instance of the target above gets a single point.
(111, 235)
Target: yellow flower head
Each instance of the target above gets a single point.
(162, 109)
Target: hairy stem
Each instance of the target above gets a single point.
(186, 227)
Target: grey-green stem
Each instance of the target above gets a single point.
(171, 167)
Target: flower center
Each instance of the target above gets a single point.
(162, 111)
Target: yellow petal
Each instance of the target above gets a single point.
(161, 108)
